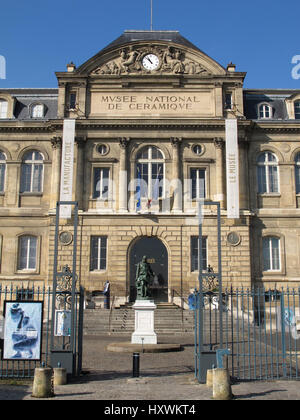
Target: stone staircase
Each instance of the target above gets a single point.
(168, 319)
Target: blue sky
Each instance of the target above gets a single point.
(38, 37)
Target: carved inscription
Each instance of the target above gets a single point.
(146, 103)
(161, 102)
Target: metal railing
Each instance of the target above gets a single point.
(260, 328)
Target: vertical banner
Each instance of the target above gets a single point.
(232, 169)
(66, 182)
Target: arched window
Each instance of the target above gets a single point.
(2, 171)
(32, 172)
(27, 252)
(265, 111)
(37, 111)
(3, 108)
(150, 171)
(271, 254)
(267, 173)
(297, 110)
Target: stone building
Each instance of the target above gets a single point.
(150, 115)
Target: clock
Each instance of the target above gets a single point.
(150, 62)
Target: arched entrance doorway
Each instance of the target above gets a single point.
(157, 256)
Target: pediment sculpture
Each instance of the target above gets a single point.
(169, 60)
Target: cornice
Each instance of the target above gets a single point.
(143, 124)
(177, 124)
(26, 128)
(277, 127)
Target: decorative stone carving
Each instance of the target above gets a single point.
(65, 238)
(56, 142)
(171, 60)
(124, 142)
(176, 142)
(219, 143)
(233, 238)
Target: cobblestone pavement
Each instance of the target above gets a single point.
(163, 376)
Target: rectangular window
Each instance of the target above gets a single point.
(194, 253)
(38, 111)
(157, 170)
(98, 252)
(228, 101)
(3, 109)
(72, 100)
(101, 183)
(273, 179)
(27, 253)
(271, 254)
(297, 110)
(31, 178)
(198, 183)
(297, 175)
(2, 176)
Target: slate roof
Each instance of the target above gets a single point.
(27, 97)
(169, 36)
(276, 99)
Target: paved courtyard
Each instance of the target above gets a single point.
(165, 376)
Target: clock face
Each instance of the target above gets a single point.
(150, 62)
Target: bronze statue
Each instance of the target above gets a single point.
(142, 280)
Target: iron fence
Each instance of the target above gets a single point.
(25, 368)
(260, 328)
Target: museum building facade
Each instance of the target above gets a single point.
(150, 113)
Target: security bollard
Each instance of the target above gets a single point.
(136, 365)
(221, 385)
(42, 383)
(209, 378)
(59, 376)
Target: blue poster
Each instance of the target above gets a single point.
(23, 330)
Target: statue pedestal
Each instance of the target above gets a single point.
(144, 323)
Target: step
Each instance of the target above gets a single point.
(169, 319)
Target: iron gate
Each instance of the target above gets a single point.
(256, 329)
(61, 331)
(261, 330)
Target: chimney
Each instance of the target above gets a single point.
(71, 67)
(231, 67)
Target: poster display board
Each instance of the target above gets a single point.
(62, 323)
(23, 330)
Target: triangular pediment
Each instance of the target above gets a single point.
(173, 55)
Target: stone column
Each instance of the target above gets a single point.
(79, 171)
(176, 181)
(220, 174)
(61, 100)
(82, 99)
(56, 170)
(219, 99)
(123, 202)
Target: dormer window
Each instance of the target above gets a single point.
(3, 108)
(37, 111)
(265, 111)
(297, 110)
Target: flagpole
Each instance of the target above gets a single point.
(151, 22)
